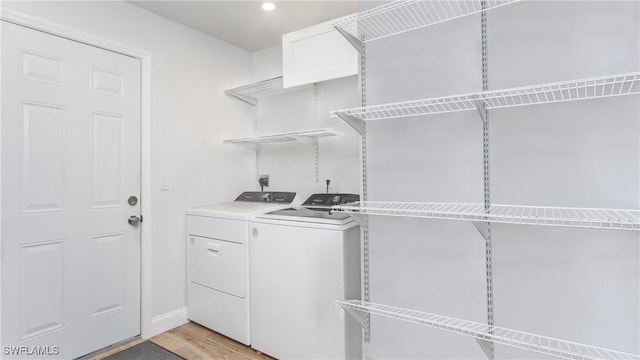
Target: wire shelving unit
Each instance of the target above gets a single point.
(305, 136)
(582, 89)
(494, 334)
(308, 137)
(612, 219)
(252, 92)
(405, 15)
(402, 16)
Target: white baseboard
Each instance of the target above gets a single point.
(168, 321)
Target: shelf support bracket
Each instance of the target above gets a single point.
(482, 109)
(359, 218)
(351, 39)
(483, 228)
(354, 122)
(359, 316)
(247, 99)
(311, 141)
(487, 347)
(248, 145)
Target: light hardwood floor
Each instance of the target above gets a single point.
(194, 342)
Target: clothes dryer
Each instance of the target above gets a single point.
(218, 261)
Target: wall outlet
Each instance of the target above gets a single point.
(264, 180)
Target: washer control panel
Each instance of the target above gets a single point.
(324, 200)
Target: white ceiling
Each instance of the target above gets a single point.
(243, 23)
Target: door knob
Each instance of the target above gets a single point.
(135, 220)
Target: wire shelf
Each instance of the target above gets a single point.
(305, 136)
(612, 219)
(405, 15)
(518, 339)
(591, 88)
(250, 93)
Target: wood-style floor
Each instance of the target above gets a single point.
(194, 342)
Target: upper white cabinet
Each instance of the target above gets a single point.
(316, 53)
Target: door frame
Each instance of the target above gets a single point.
(52, 28)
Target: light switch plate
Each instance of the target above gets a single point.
(165, 183)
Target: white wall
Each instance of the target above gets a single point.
(575, 284)
(190, 115)
(267, 63)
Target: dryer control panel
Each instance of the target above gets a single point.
(278, 197)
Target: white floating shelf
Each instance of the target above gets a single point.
(405, 15)
(252, 92)
(306, 136)
(591, 88)
(498, 335)
(613, 219)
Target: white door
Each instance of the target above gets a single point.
(70, 161)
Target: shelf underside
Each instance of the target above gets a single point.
(303, 136)
(250, 93)
(405, 15)
(583, 89)
(612, 219)
(521, 340)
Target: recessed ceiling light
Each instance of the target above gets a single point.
(268, 6)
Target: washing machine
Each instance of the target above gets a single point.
(218, 261)
(303, 259)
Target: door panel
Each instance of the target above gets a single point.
(41, 67)
(43, 295)
(107, 292)
(42, 157)
(107, 82)
(70, 159)
(107, 156)
(218, 265)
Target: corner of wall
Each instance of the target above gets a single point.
(167, 321)
(267, 63)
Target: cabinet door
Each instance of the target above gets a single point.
(316, 53)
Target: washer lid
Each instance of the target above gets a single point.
(301, 214)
